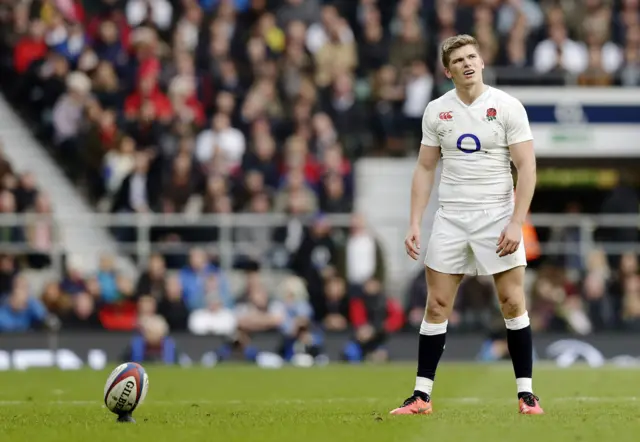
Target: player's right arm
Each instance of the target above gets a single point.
(422, 183)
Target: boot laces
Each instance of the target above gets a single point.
(412, 400)
(530, 400)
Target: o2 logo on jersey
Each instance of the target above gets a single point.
(475, 139)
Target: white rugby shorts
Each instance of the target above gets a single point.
(465, 242)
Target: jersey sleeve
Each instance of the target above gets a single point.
(429, 134)
(518, 129)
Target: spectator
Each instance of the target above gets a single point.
(152, 344)
(68, 112)
(628, 268)
(107, 280)
(631, 302)
(334, 198)
(253, 242)
(337, 305)
(294, 183)
(5, 166)
(315, 260)
(407, 46)
(511, 11)
(9, 234)
(30, 47)
(221, 139)
(373, 317)
(147, 307)
(181, 186)
(73, 283)
(119, 163)
(148, 91)
(259, 313)
(83, 315)
(136, 193)
(215, 319)
(559, 52)
(418, 93)
(515, 53)
(158, 12)
(374, 308)
(262, 159)
(295, 299)
(110, 48)
(373, 50)
(54, 300)
(348, 114)
(152, 281)
(20, 311)
(363, 258)
(172, 306)
(307, 11)
(475, 307)
(335, 55)
(26, 192)
(194, 278)
(554, 304)
(121, 314)
(8, 272)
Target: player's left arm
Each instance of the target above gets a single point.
(520, 141)
(524, 158)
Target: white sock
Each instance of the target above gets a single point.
(433, 329)
(525, 385)
(424, 385)
(518, 323)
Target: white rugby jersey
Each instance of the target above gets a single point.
(475, 142)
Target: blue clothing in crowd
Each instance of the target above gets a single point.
(194, 287)
(21, 320)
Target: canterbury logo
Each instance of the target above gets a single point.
(446, 115)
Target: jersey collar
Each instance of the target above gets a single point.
(478, 100)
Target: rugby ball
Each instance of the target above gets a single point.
(126, 388)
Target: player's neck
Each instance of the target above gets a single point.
(469, 94)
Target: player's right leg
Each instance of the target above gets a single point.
(442, 289)
(446, 261)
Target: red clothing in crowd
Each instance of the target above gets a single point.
(148, 90)
(124, 32)
(26, 51)
(122, 316)
(358, 315)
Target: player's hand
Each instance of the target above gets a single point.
(509, 240)
(412, 242)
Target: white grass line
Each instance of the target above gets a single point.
(454, 400)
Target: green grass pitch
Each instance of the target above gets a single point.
(329, 404)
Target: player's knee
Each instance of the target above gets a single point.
(512, 305)
(438, 309)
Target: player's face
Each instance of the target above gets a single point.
(465, 66)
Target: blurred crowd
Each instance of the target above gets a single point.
(322, 294)
(19, 195)
(261, 106)
(315, 298)
(212, 106)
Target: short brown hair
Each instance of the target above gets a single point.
(453, 43)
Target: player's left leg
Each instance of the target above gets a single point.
(508, 274)
(510, 288)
